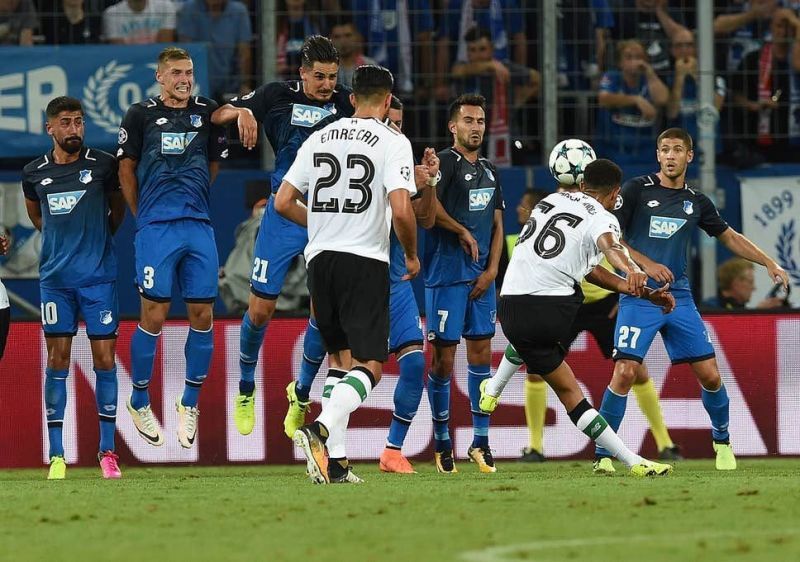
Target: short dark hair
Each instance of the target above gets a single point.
(318, 48)
(396, 103)
(476, 33)
(62, 103)
(343, 21)
(602, 176)
(536, 194)
(466, 99)
(370, 80)
(676, 133)
(173, 53)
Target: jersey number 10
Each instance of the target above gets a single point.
(551, 239)
(361, 185)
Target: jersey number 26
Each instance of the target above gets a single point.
(551, 239)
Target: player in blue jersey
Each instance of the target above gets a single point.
(289, 112)
(658, 214)
(459, 287)
(169, 155)
(72, 196)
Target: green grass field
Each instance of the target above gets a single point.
(554, 511)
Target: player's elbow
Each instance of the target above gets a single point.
(282, 202)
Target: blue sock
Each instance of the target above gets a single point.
(716, 404)
(198, 349)
(105, 392)
(439, 398)
(55, 401)
(313, 355)
(407, 395)
(250, 339)
(476, 374)
(143, 352)
(613, 410)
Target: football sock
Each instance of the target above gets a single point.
(105, 393)
(476, 374)
(198, 350)
(439, 398)
(143, 352)
(407, 396)
(509, 365)
(337, 434)
(347, 396)
(595, 427)
(647, 399)
(535, 412)
(250, 339)
(612, 410)
(313, 355)
(716, 403)
(331, 379)
(55, 401)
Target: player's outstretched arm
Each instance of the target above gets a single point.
(601, 277)
(128, 183)
(245, 121)
(654, 270)
(287, 204)
(742, 246)
(618, 256)
(405, 227)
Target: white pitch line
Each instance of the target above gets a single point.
(503, 553)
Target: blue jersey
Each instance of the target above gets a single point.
(289, 117)
(659, 222)
(470, 194)
(77, 245)
(397, 259)
(173, 147)
(623, 134)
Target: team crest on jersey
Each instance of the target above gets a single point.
(665, 227)
(196, 121)
(308, 115)
(85, 176)
(63, 203)
(688, 208)
(105, 317)
(653, 203)
(176, 143)
(479, 198)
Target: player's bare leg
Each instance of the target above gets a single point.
(55, 400)
(439, 397)
(407, 396)
(479, 357)
(105, 391)
(716, 403)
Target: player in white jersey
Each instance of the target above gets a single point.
(563, 241)
(358, 174)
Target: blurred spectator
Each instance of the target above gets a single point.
(225, 25)
(767, 92)
(503, 19)
(294, 23)
(393, 29)
(66, 22)
(582, 48)
(17, 22)
(736, 286)
(139, 22)
(653, 23)
(684, 86)
(234, 276)
(629, 99)
(747, 24)
(347, 41)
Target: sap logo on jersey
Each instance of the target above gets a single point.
(479, 198)
(63, 203)
(307, 115)
(176, 143)
(665, 227)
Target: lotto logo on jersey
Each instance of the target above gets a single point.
(307, 115)
(63, 203)
(479, 198)
(665, 227)
(176, 143)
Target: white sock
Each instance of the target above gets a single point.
(500, 379)
(596, 428)
(346, 397)
(336, 444)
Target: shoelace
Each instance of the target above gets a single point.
(112, 459)
(191, 419)
(148, 419)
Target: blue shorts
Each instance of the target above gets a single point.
(97, 304)
(683, 331)
(404, 324)
(278, 242)
(182, 250)
(451, 314)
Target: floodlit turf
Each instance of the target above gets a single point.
(554, 511)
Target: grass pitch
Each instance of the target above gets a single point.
(553, 511)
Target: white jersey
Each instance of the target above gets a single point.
(348, 169)
(3, 296)
(557, 247)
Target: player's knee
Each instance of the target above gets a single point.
(441, 367)
(710, 380)
(479, 352)
(58, 359)
(104, 360)
(625, 373)
(201, 317)
(260, 310)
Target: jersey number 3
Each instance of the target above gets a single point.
(551, 239)
(361, 185)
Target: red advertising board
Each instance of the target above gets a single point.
(758, 356)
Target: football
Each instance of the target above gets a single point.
(568, 160)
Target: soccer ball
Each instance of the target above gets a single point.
(568, 160)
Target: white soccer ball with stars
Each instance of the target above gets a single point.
(568, 160)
